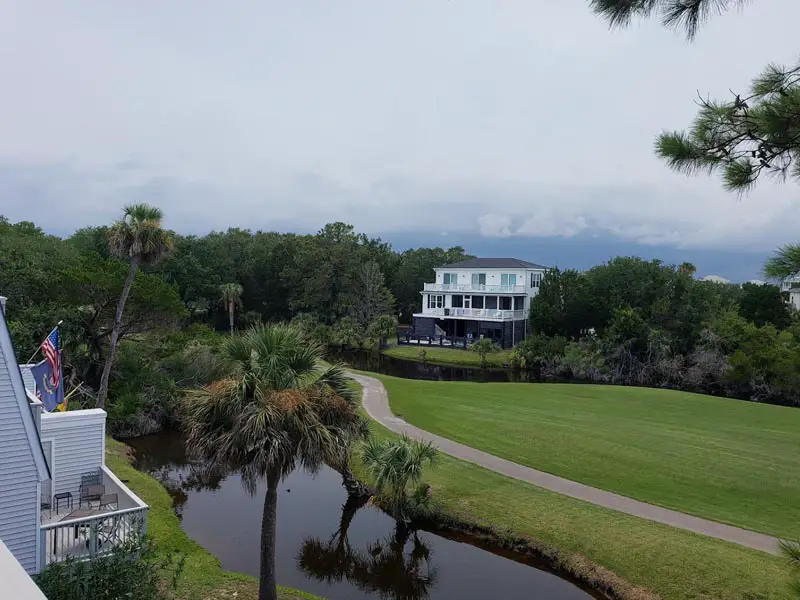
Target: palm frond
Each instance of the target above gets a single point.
(277, 411)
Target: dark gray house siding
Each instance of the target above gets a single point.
(423, 326)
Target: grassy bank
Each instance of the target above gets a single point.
(727, 460)
(203, 577)
(449, 356)
(593, 542)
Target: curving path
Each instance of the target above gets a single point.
(376, 403)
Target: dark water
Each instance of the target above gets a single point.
(332, 547)
(376, 362)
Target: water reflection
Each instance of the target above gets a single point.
(333, 546)
(385, 568)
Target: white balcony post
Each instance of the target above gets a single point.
(42, 549)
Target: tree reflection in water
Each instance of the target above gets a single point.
(385, 568)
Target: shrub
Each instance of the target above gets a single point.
(483, 347)
(135, 571)
(538, 351)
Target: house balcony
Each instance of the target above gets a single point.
(489, 314)
(476, 288)
(84, 529)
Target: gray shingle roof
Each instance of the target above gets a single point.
(493, 263)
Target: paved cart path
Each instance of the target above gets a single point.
(376, 403)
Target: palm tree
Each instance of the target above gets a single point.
(139, 238)
(394, 464)
(230, 296)
(281, 408)
(791, 550)
(687, 268)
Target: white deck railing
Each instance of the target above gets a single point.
(91, 536)
(477, 313)
(97, 534)
(490, 289)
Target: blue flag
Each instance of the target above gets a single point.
(49, 386)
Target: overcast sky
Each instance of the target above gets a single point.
(508, 117)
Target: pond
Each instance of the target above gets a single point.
(364, 360)
(333, 547)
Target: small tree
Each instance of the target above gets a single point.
(348, 332)
(395, 464)
(483, 347)
(382, 328)
(139, 238)
(230, 296)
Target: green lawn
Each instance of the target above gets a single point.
(449, 356)
(653, 559)
(728, 460)
(203, 577)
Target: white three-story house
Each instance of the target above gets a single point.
(479, 297)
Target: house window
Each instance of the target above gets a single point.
(508, 279)
(536, 280)
(450, 278)
(479, 279)
(467, 301)
(519, 302)
(477, 302)
(491, 302)
(457, 301)
(435, 301)
(505, 302)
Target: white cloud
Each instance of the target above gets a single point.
(416, 115)
(495, 225)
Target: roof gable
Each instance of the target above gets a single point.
(493, 263)
(18, 387)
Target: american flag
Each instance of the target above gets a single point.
(51, 348)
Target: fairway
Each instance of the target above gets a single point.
(732, 461)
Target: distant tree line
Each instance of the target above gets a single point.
(637, 322)
(339, 286)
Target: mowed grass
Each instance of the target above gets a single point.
(449, 356)
(654, 560)
(728, 460)
(202, 578)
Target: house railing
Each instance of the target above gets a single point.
(477, 313)
(87, 537)
(458, 287)
(92, 536)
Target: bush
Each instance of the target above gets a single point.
(131, 572)
(537, 352)
(583, 360)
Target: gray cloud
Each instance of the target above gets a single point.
(521, 118)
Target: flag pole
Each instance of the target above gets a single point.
(47, 336)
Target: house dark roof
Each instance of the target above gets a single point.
(493, 263)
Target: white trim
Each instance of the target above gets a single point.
(38, 567)
(72, 418)
(110, 474)
(52, 464)
(22, 400)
